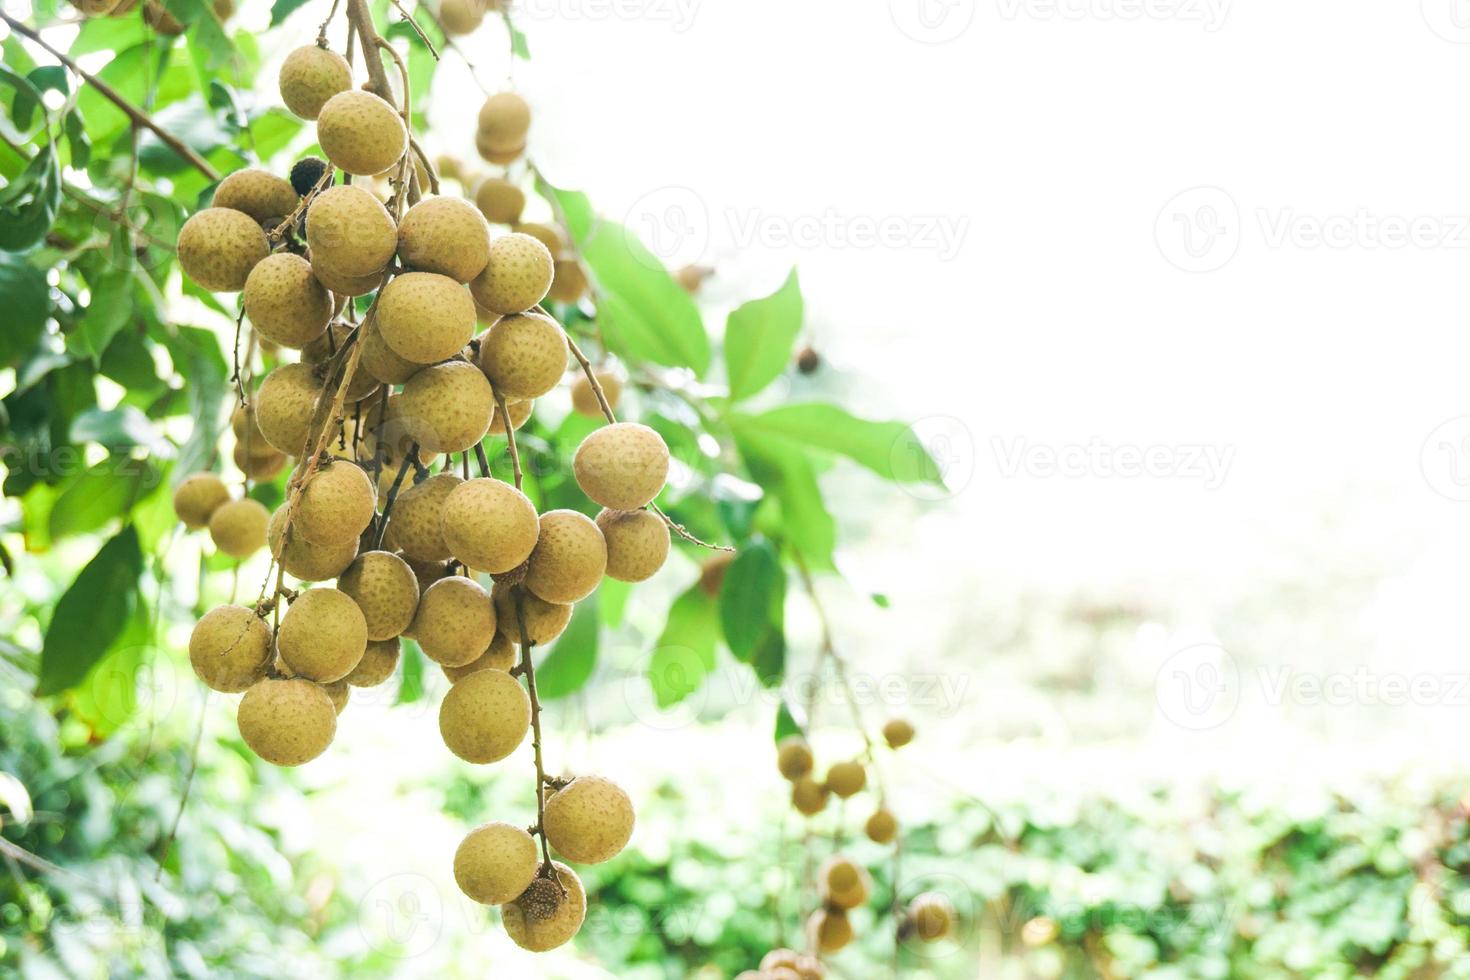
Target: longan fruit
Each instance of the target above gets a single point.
(285, 302)
(568, 282)
(378, 661)
(349, 232)
(622, 466)
(345, 285)
(518, 412)
(219, 246)
(337, 503)
(932, 915)
(310, 76)
(504, 121)
(499, 655)
(524, 355)
(543, 918)
(259, 466)
(287, 722)
(361, 133)
(198, 497)
(846, 778)
(590, 820)
(304, 560)
(829, 930)
(794, 757)
(808, 967)
(446, 235)
(489, 525)
(881, 827)
(637, 543)
(691, 277)
(258, 193)
(425, 317)
(484, 716)
(459, 17)
(500, 156)
(517, 276)
(230, 648)
(238, 527)
(284, 405)
(323, 636)
(455, 621)
(712, 572)
(415, 527)
(380, 360)
(544, 620)
(385, 589)
(844, 884)
(495, 863)
(569, 559)
(339, 692)
(778, 959)
(898, 732)
(584, 399)
(500, 201)
(548, 235)
(447, 407)
(808, 796)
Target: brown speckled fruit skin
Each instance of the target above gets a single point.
(323, 635)
(350, 232)
(536, 934)
(238, 527)
(547, 235)
(230, 648)
(415, 526)
(637, 543)
(569, 559)
(425, 317)
(485, 716)
(447, 407)
(569, 281)
(500, 201)
(519, 412)
(544, 620)
(361, 133)
(379, 360)
(285, 302)
(504, 120)
(499, 655)
(263, 465)
(622, 466)
(259, 193)
(446, 235)
(524, 355)
(287, 722)
(584, 399)
(219, 246)
(495, 863)
(309, 77)
(198, 497)
(346, 285)
(336, 504)
(489, 525)
(589, 821)
(284, 405)
(308, 562)
(385, 589)
(517, 277)
(377, 664)
(339, 692)
(455, 621)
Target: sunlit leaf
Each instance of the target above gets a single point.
(91, 613)
(759, 336)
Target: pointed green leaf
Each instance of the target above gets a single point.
(890, 449)
(685, 653)
(91, 613)
(759, 336)
(574, 655)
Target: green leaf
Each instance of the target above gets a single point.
(685, 652)
(28, 205)
(411, 683)
(574, 655)
(91, 613)
(786, 723)
(110, 308)
(119, 428)
(272, 131)
(759, 337)
(101, 493)
(788, 475)
(752, 598)
(612, 601)
(282, 9)
(27, 303)
(890, 449)
(108, 696)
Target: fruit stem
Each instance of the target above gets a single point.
(409, 457)
(527, 668)
(510, 436)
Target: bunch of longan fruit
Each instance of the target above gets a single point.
(367, 404)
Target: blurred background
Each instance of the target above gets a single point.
(1172, 294)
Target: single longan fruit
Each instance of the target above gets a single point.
(500, 201)
(244, 426)
(569, 559)
(808, 796)
(380, 360)
(238, 527)
(518, 412)
(425, 317)
(569, 281)
(302, 559)
(489, 525)
(385, 589)
(337, 503)
(284, 406)
(622, 466)
(349, 232)
(198, 497)
(544, 620)
(230, 648)
(378, 662)
(584, 399)
(898, 732)
(499, 655)
(504, 121)
(361, 133)
(500, 156)
(445, 235)
(310, 76)
(495, 863)
(219, 246)
(846, 778)
(829, 930)
(285, 302)
(932, 915)
(546, 916)
(590, 820)
(415, 527)
(339, 692)
(259, 466)
(485, 716)
(287, 722)
(794, 757)
(258, 193)
(455, 621)
(712, 572)
(844, 883)
(637, 543)
(548, 235)
(447, 407)
(778, 959)
(346, 285)
(524, 355)
(517, 276)
(323, 635)
(459, 17)
(881, 827)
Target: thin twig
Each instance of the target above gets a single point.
(510, 435)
